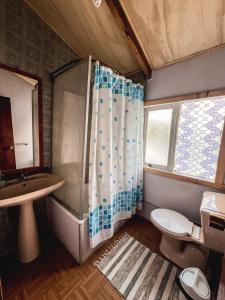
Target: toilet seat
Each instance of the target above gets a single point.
(172, 222)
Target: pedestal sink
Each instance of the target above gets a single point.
(23, 193)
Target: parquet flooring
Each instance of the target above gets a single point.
(55, 275)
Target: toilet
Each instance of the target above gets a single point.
(185, 243)
(181, 239)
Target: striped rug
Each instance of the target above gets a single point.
(138, 273)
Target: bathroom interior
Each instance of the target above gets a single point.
(112, 149)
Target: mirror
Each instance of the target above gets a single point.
(20, 120)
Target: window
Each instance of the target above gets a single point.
(184, 137)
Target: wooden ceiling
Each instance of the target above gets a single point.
(167, 30)
(88, 30)
(172, 30)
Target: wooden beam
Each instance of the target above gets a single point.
(220, 172)
(175, 99)
(124, 24)
(183, 98)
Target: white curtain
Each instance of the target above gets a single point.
(116, 152)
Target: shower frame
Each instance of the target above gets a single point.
(70, 227)
(53, 75)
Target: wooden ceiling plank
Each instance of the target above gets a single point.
(173, 30)
(123, 22)
(88, 30)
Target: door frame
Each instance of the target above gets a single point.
(40, 121)
(8, 155)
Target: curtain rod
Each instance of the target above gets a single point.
(64, 68)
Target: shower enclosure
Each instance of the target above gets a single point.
(71, 93)
(68, 207)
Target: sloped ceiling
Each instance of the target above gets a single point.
(167, 30)
(170, 30)
(88, 30)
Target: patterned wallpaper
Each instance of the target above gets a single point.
(29, 44)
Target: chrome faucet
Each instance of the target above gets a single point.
(23, 176)
(2, 179)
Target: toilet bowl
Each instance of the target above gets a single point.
(181, 240)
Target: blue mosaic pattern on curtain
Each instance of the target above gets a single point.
(101, 217)
(116, 152)
(199, 135)
(107, 79)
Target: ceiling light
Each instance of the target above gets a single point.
(97, 3)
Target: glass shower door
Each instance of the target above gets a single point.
(70, 107)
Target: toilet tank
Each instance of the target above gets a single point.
(213, 220)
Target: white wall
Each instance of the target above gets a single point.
(201, 73)
(20, 94)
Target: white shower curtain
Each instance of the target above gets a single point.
(116, 152)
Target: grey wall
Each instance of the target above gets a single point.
(201, 73)
(181, 196)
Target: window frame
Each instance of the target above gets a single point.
(220, 172)
(173, 134)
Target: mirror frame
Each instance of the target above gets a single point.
(40, 121)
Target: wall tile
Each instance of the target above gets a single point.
(13, 42)
(33, 36)
(49, 46)
(32, 46)
(12, 59)
(14, 24)
(33, 53)
(15, 7)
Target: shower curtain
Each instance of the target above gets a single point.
(116, 152)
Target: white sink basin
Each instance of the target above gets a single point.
(23, 193)
(32, 188)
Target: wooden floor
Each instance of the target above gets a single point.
(221, 290)
(56, 275)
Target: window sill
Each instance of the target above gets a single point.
(185, 178)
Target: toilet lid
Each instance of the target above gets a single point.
(171, 221)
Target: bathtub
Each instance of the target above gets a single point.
(71, 231)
